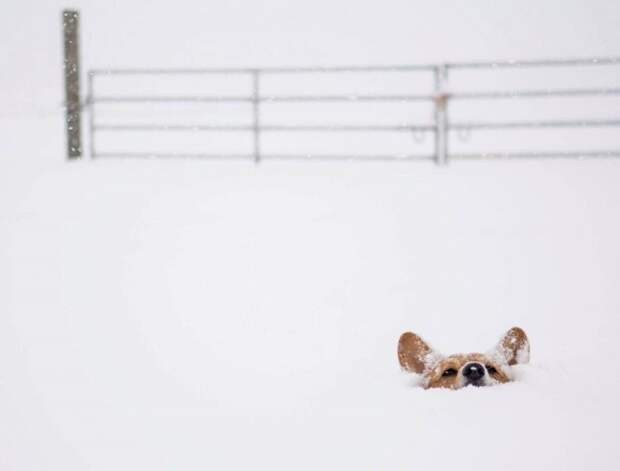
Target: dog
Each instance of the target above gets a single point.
(460, 370)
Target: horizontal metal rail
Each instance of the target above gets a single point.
(358, 98)
(262, 99)
(263, 70)
(250, 128)
(542, 155)
(535, 93)
(592, 123)
(535, 63)
(369, 158)
(381, 68)
(361, 128)
(172, 99)
(181, 155)
(250, 156)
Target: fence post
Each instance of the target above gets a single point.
(70, 24)
(441, 125)
(256, 112)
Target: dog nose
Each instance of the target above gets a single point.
(473, 371)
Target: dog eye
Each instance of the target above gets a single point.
(491, 369)
(449, 372)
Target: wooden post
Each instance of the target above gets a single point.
(70, 23)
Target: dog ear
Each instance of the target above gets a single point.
(514, 346)
(414, 354)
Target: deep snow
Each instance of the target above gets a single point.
(190, 314)
(210, 315)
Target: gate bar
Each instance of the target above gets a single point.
(441, 120)
(256, 113)
(381, 68)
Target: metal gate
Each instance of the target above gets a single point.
(571, 103)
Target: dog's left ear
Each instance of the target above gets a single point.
(514, 346)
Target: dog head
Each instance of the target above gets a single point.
(457, 371)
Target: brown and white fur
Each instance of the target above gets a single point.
(457, 371)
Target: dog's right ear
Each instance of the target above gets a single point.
(414, 354)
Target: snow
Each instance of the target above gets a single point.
(187, 314)
(190, 314)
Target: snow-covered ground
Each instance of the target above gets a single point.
(219, 315)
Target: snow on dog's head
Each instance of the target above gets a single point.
(457, 371)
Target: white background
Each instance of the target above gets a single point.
(200, 315)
